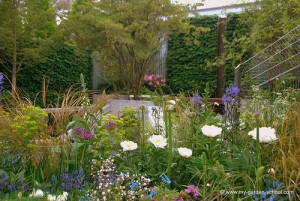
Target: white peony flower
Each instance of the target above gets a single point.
(184, 152)
(266, 134)
(211, 131)
(128, 145)
(158, 141)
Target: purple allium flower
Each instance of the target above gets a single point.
(194, 190)
(110, 125)
(196, 101)
(231, 93)
(226, 98)
(233, 90)
(84, 134)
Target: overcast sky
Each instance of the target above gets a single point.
(211, 3)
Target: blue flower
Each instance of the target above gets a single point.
(153, 192)
(264, 195)
(134, 184)
(276, 184)
(53, 180)
(166, 179)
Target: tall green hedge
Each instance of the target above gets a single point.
(61, 70)
(187, 64)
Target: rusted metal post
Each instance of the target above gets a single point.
(237, 76)
(220, 53)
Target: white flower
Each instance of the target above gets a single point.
(128, 145)
(211, 131)
(62, 197)
(184, 152)
(170, 105)
(266, 134)
(271, 171)
(51, 197)
(37, 193)
(172, 102)
(216, 103)
(158, 141)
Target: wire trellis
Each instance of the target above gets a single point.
(280, 58)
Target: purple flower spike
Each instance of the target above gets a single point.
(231, 93)
(196, 101)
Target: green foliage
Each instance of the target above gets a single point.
(26, 27)
(191, 68)
(31, 124)
(186, 62)
(61, 70)
(269, 20)
(127, 36)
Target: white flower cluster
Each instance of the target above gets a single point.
(39, 193)
(61, 197)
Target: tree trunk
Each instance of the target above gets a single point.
(14, 62)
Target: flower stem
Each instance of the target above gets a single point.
(169, 134)
(143, 129)
(258, 145)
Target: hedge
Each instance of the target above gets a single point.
(187, 65)
(61, 70)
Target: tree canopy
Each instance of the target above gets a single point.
(25, 27)
(126, 35)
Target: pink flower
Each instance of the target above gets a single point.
(194, 190)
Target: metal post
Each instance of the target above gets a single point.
(220, 53)
(237, 76)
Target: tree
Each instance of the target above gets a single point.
(126, 35)
(270, 19)
(25, 27)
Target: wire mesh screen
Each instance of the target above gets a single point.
(281, 58)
